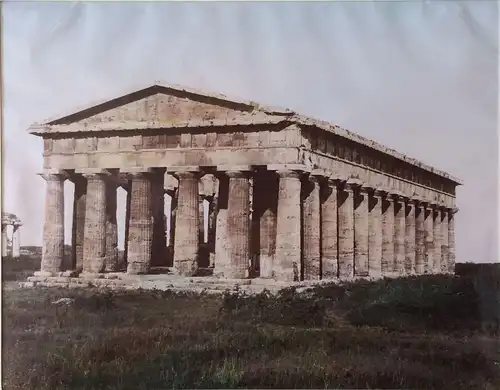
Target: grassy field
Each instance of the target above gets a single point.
(429, 332)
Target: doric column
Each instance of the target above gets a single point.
(265, 208)
(238, 224)
(53, 227)
(410, 238)
(346, 231)
(78, 228)
(128, 205)
(419, 237)
(222, 261)
(451, 239)
(288, 227)
(375, 234)
(111, 256)
(361, 232)
(329, 236)
(94, 245)
(311, 228)
(140, 231)
(159, 244)
(4, 240)
(16, 241)
(387, 235)
(444, 240)
(212, 222)
(436, 232)
(429, 239)
(399, 234)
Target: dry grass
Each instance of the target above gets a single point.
(430, 332)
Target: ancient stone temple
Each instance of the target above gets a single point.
(11, 246)
(252, 192)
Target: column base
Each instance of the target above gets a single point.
(137, 268)
(91, 275)
(44, 273)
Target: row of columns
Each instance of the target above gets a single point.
(301, 226)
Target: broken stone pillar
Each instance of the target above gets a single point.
(222, 256)
(16, 241)
(387, 235)
(4, 240)
(444, 240)
(361, 232)
(78, 229)
(140, 231)
(346, 231)
(111, 257)
(419, 237)
(329, 248)
(451, 239)
(429, 239)
(399, 235)
(311, 227)
(265, 210)
(159, 244)
(410, 238)
(375, 234)
(238, 224)
(53, 227)
(288, 227)
(94, 245)
(187, 224)
(437, 241)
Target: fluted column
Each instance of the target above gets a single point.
(346, 231)
(94, 245)
(399, 235)
(78, 228)
(436, 232)
(288, 227)
(53, 227)
(140, 231)
(238, 224)
(329, 236)
(159, 244)
(429, 239)
(128, 205)
(187, 224)
(375, 234)
(361, 232)
(4, 240)
(419, 237)
(311, 227)
(111, 256)
(387, 235)
(222, 259)
(410, 238)
(16, 241)
(444, 240)
(451, 240)
(212, 226)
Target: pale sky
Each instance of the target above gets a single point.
(419, 77)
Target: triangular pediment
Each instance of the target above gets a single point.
(162, 105)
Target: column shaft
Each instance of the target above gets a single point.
(111, 257)
(361, 233)
(222, 259)
(212, 226)
(288, 228)
(187, 224)
(375, 235)
(159, 244)
(329, 236)
(140, 233)
(311, 228)
(128, 206)
(410, 240)
(387, 236)
(451, 241)
(346, 232)
(399, 236)
(78, 229)
(444, 241)
(16, 242)
(429, 240)
(437, 241)
(420, 239)
(94, 245)
(53, 227)
(238, 224)
(4, 240)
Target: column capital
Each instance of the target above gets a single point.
(452, 210)
(399, 196)
(54, 176)
(234, 174)
(289, 174)
(352, 184)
